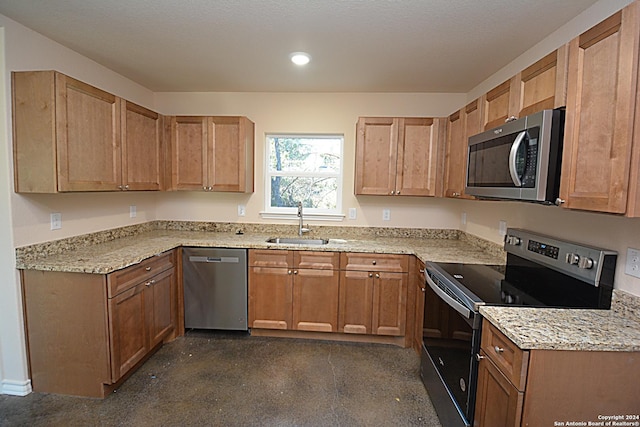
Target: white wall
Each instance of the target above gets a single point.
(308, 113)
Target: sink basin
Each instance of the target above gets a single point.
(297, 241)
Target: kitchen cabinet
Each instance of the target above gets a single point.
(599, 145)
(461, 125)
(399, 156)
(70, 136)
(294, 290)
(417, 283)
(500, 104)
(87, 332)
(212, 153)
(373, 294)
(539, 387)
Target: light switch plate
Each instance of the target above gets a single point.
(502, 228)
(133, 211)
(632, 267)
(352, 213)
(242, 210)
(463, 218)
(56, 221)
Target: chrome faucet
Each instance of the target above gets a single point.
(301, 228)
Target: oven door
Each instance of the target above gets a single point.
(451, 337)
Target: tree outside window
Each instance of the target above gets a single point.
(304, 168)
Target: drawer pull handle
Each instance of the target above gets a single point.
(498, 349)
(479, 357)
(148, 269)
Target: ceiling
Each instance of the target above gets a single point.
(244, 45)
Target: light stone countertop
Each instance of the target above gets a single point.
(617, 329)
(109, 256)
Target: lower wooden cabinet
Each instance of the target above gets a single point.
(86, 332)
(542, 387)
(418, 286)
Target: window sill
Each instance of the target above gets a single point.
(310, 217)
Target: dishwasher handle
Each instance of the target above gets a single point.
(209, 259)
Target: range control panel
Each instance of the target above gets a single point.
(574, 259)
(543, 249)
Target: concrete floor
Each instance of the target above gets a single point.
(224, 379)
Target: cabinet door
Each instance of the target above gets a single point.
(543, 85)
(189, 153)
(88, 137)
(419, 157)
(160, 303)
(498, 402)
(270, 298)
(356, 302)
(601, 96)
(500, 103)
(315, 300)
(455, 155)
(141, 148)
(389, 304)
(376, 155)
(128, 330)
(419, 289)
(231, 154)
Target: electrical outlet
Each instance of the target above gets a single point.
(352, 213)
(502, 228)
(632, 267)
(242, 210)
(56, 221)
(386, 214)
(133, 211)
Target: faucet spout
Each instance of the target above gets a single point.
(301, 228)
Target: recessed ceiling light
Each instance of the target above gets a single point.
(300, 58)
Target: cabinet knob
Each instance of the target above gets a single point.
(149, 283)
(126, 187)
(421, 270)
(559, 201)
(289, 272)
(479, 357)
(295, 271)
(377, 276)
(423, 289)
(370, 274)
(119, 187)
(498, 349)
(148, 269)
(455, 194)
(398, 192)
(374, 262)
(204, 187)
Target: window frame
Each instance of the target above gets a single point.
(272, 212)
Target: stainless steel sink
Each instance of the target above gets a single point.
(297, 241)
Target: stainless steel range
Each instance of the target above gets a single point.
(541, 271)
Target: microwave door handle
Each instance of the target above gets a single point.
(450, 301)
(512, 158)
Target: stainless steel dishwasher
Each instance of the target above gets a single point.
(215, 288)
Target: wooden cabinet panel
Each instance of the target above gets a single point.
(498, 402)
(189, 150)
(419, 286)
(142, 159)
(316, 260)
(543, 85)
(356, 302)
(315, 300)
(161, 306)
(500, 103)
(418, 172)
(455, 155)
(88, 137)
(376, 155)
(121, 280)
(399, 156)
(231, 163)
(389, 304)
(270, 297)
(511, 360)
(128, 330)
(374, 262)
(271, 258)
(601, 97)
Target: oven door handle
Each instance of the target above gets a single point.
(448, 299)
(513, 157)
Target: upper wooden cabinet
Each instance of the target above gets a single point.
(597, 172)
(399, 156)
(212, 153)
(500, 103)
(67, 136)
(460, 126)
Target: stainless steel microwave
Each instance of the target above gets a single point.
(520, 160)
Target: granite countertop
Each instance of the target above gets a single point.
(617, 329)
(113, 255)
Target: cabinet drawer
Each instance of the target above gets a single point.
(270, 258)
(511, 360)
(124, 279)
(317, 260)
(374, 262)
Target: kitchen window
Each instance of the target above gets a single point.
(307, 169)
